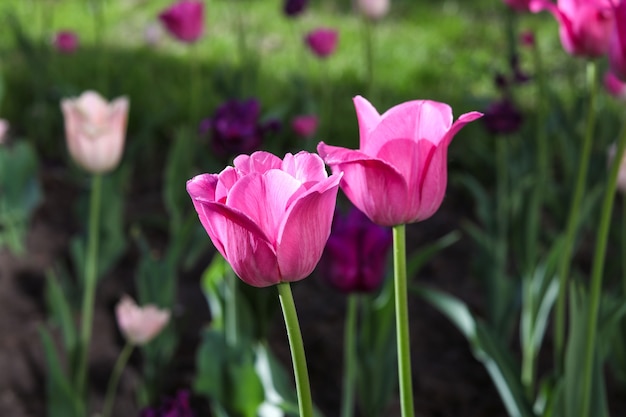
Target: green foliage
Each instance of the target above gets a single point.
(20, 193)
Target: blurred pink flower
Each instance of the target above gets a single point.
(617, 43)
(585, 25)
(322, 42)
(519, 5)
(614, 86)
(4, 129)
(66, 41)
(184, 20)
(140, 325)
(305, 125)
(527, 38)
(153, 33)
(95, 130)
(269, 218)
(399, 173)
(373, 9)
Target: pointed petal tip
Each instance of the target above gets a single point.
(470, 117)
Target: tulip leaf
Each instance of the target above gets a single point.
(61, 313)
(62, 398)
(420, 257)
(486, 348)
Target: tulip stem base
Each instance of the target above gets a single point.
(301, 373)
(349, 356)
(120, 364)
(402, 321)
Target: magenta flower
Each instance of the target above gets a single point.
(184, 20)
(617, 42)
(614, 86)
(585, 25)
(322, 42)
(305, 125)
(235, 127)
(519, 5)
(66, 41)
(269, 218)
(356, 253)
(399, 174)
(293, 8)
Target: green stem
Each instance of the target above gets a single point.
(573, 219)
(194, 83)
(305, 403)
(623, 242)
(349, 357)
(528, 352)
(597, 273)
(541, 179)
(90, 280)
(369, 58)
(402, 321)
(120, 364)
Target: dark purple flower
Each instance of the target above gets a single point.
(235, 127)
(294, 8)
(355, 256)
(502, 117)
(177, 406)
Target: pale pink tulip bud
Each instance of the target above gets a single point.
(95, 130)
(305, 125)
(4, 128)
(139, 325)
(373, 9)
(621, 176)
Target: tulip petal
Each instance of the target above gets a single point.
(305, 167)
(367, 116)
(372, 185)
(258, 162)
(459, 124)
(414, 120)
(434, 180)
(305, 230)
(264, 198)
(243, 244)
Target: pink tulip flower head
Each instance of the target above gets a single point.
(4, 129)
(184, 20)
(66, 41)
(399, 173)
(322, 42)
(269, 218)
(373, 9)
(518, 5)
(140, 325)
(614, 86)
(356, 253)
(585, 25)
(305, 125)
(617, 43)
(95, 130)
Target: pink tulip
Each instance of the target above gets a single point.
(95, 130)
(322, 42)
(585, 25)
(139, 325)
(399, 174)
(184, 20)
(4, 128)
(614, 86)
(373, 9)
(269, 218)
(305, 125)
(519, 5)
(617, 43)
(66, 41)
